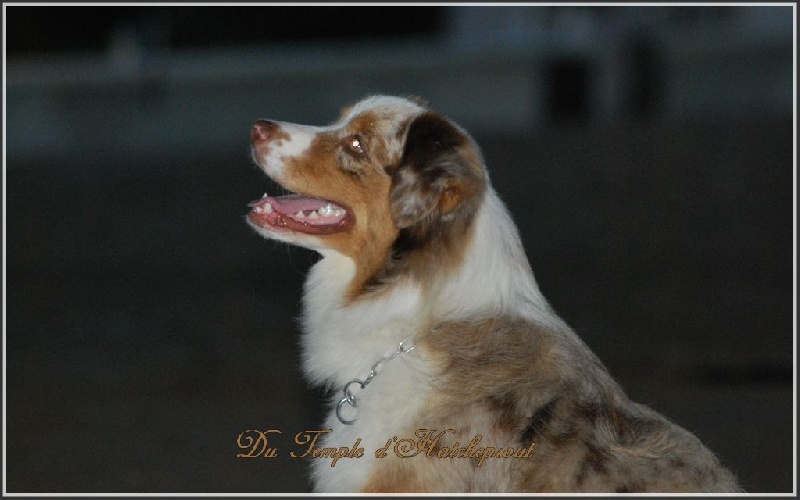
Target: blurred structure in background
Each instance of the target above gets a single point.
(75, 71)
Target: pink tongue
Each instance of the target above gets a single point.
(291, 204)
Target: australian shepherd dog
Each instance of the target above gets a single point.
(446, 365)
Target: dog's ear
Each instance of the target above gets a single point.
(439, 171)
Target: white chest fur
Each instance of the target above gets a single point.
(387, 408)
(341, 344)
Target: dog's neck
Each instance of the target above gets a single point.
(495, 278)
(342, 338)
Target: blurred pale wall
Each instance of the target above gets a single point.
(492, 69)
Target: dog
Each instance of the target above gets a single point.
(450, 371)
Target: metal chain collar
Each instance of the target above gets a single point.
(350, 398)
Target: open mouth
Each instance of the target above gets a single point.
(300, 213)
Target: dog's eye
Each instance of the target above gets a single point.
(355, 145)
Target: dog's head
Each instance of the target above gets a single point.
(391, 185)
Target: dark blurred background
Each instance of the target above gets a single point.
(645, 152)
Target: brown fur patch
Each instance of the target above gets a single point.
(514, 381)
(426, 474)
(319, 174)
(281, 135)
(363, 123)
(435, 194)
(392, 480)
(505, 408)
(278, 135)
(540, 421)
(509, 351)
(370, 128)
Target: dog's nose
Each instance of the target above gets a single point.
(263, 130)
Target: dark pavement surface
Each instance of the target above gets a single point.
(147, 326)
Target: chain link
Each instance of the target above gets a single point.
(350, 398)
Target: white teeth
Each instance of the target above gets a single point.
(299, 215)
(327, 210)
(265, 195)
(263, 209)
(339, 212)
(313, 215)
